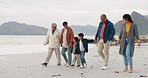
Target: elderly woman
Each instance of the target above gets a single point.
(129, 32)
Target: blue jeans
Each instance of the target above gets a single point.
(69, 49)
(82, 57)
(127, 54)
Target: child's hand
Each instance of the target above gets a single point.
(95, 41)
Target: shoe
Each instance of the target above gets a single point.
(72, 65)
(131, 70)
(44, 64)
(81, 67)
(85, 65)
(126, 69)
(104, 68)
(78, 65)
(59, 64)
(67, 65)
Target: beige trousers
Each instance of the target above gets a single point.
(76, 58)
(103, 49)
(57, 53)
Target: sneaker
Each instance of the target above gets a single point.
(85, 65)
(126, 69)
(44, 64)
(72, 65)
(104, 68)
(131, 70)
(59, 64)
(81, 67)
(78, 65)
(67, 65)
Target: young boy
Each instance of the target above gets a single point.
(82, 47)
(76, 56)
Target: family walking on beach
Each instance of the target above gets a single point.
(78, 46)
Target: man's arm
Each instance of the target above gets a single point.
(112, 30)
(71, 38)
(47, 38)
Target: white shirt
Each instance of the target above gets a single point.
(64, 44)
(81, 46)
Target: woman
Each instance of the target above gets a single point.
(128, 33)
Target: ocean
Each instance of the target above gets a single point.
(18, 44)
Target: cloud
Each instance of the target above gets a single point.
(83, 12)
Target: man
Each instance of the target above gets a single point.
(105, 34)
(52, 39)
(66, 41)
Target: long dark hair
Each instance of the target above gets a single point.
(128, 18)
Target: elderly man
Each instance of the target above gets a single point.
(52, 39)
(105, 34)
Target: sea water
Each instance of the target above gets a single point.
(18, 44)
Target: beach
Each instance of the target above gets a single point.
(28, 65)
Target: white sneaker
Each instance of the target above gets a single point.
(104, 67)
(81, 67)
(67, 65)
(85, 65)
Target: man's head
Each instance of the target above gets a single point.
(65, 24)
(103, 18)
(80, 36)
(54, 26)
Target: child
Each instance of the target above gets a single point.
(82, 47)
(76, 56)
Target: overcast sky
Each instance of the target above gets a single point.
(76, 12)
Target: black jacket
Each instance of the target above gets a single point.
(85, 44)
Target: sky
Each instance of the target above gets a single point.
(75, 12)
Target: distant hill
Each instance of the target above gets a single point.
(88, 30)
(15, 28)
(140, 20)
(146, 16)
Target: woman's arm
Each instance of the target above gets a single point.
(136, 34)
(120, 35)
(121, 32)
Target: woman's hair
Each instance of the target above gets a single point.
(76, 39)
(127, 17)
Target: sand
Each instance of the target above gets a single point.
(28, 65)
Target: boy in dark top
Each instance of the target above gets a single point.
(76, 54)
(82, 48)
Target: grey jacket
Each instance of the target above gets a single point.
(133, 33)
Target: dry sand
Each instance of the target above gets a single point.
(29, 66)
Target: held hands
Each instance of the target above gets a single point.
(95, 41)
(139, 44)
(118, 42)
